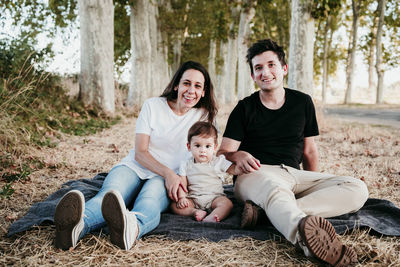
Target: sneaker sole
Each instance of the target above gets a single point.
(66, 221)
(114, 216)
(320, 238)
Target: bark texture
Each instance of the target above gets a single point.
(379, 68)
(245, 83)
(97, 54)
(352, 51)
(301, 47)
(325, 61)
(222, 73)
(211, 62)
(149, 72)
(141, 53)
(231, 61)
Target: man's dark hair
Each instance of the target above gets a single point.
(202, 128)
(262, 46)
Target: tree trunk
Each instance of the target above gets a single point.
(211, 62)
(352, 52)
(371, 55)
(231, 59)
(325, 61)
(379, 68)
(245, 83)
(177, 51)
(301, 47)
(222, 73)
(180, 39)
(141, 53)
(158, 63)
(97, 54)
(231, 65)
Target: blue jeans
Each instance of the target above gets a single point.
(150, 199)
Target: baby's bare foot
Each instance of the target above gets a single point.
(199, 215)
(211, 218)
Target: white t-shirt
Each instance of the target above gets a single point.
(168, 135)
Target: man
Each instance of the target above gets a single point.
(268, 135)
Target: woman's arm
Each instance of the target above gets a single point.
(143, 156)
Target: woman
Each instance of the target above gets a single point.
(148, 174)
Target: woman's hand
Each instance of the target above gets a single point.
(172, 184)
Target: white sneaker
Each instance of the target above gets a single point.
(122, 224)
(68, 219)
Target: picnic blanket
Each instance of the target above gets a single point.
(382, 216)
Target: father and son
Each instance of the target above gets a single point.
(267, 136)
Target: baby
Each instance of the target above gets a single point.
(203, 174)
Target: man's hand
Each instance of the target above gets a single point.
(182, 203)
(246, 162)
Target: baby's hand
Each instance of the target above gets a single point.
(182, 203)
(237, 170)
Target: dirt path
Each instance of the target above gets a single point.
(379, 116)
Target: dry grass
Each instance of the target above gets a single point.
(359, 150)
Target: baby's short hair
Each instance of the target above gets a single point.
(202, 128)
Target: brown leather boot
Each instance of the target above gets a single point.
(319, 237)
(250, 215)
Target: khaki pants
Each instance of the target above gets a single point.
(287, 195)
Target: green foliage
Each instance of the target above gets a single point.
(122, 41)
(12, 174)
(63, 12)
(18, 57)
(35, 111)
(195, 23)
(391, 34)
(327, 15)
(272, 20)
(7, 190)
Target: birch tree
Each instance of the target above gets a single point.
(231, 60)
(222, 72)
(212, 55)
(301, 47)
(97, 56)
(158, 54)
(245, 84)
(355, 6)
(326, 13)
(379, 67)
(141, 53)
(371, 54)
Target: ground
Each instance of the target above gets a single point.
(368, 152)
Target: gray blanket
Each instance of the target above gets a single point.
(382, 216)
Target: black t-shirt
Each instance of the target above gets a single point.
(273, 136)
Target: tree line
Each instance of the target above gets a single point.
(155, 36)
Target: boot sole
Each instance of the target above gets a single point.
(320, 238)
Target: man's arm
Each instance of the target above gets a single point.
(244, 160)
(310, 154)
